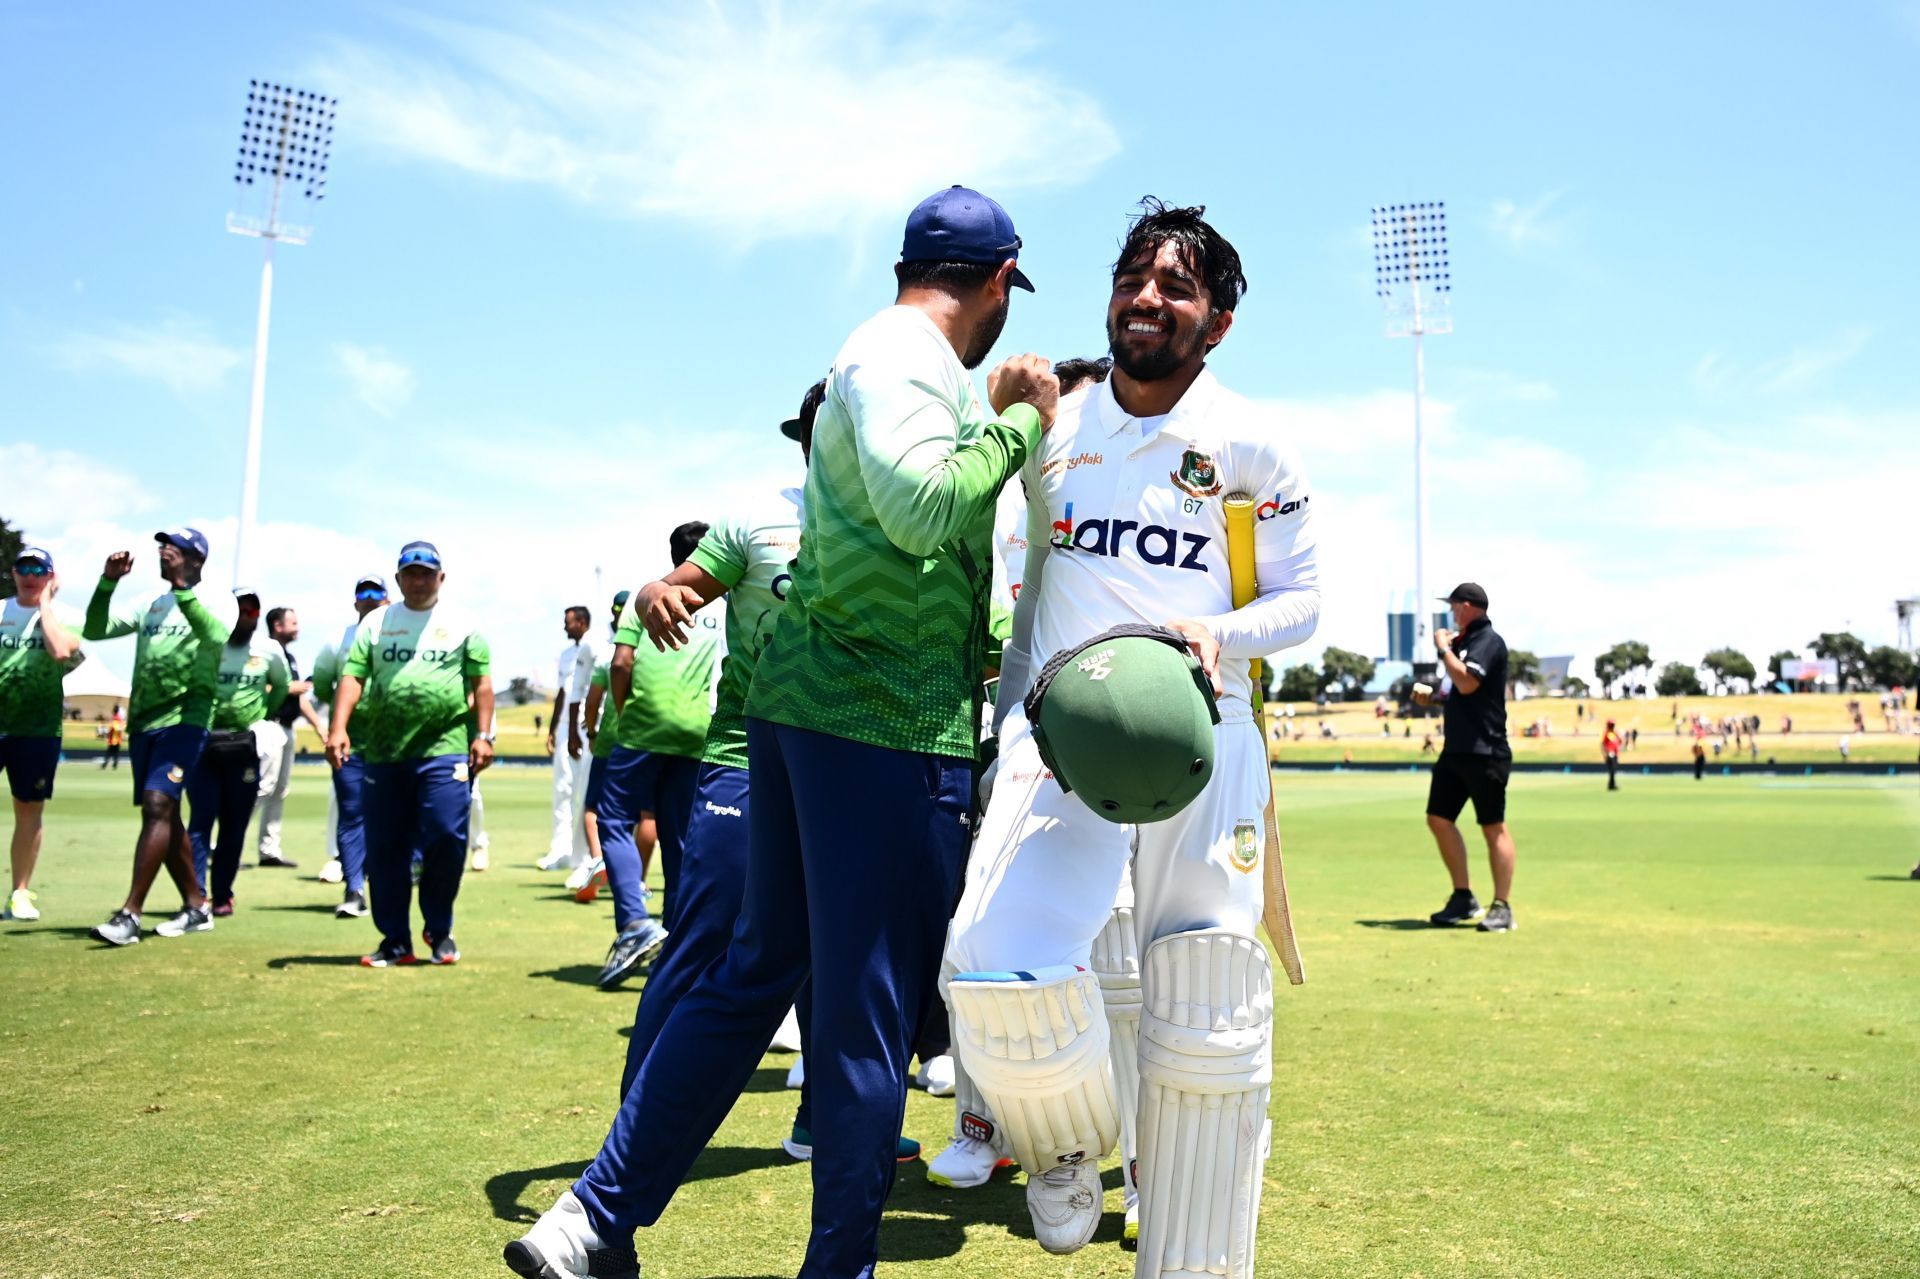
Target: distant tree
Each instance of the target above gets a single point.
(1522, 668)
(1621, 661)
(1888, 666)
(1677, 679)
(1728, 664)
(520, 690)
(1349, 670)
(12, 540)
(1299, 684)
(1576, 687)
(1777, 665)
(1848, 651)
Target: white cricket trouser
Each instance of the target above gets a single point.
(1046, 871)
(476, 820)
(569, 801)
(275, 745)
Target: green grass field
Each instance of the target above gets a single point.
(1698, 1056)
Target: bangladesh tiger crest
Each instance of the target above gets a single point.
(1246, 846)
(1197, 476)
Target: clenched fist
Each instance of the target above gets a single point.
(119, 564)
(1025, 379)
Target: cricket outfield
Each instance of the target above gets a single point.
(1699, 1055)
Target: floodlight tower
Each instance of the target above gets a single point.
(1903, 611)
(1412, 281)
(285, 136)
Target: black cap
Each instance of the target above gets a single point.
(795, 428)
(1466, 593)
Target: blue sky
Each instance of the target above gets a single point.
(577, 262)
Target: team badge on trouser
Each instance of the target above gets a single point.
(1206, 1070)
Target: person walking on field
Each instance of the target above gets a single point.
(1610, 744)
(567, 745)
(425, 671)
(176, 672)
(116, 738)
(1475, 760)
(275, 734)
(347, 807)
(224, 786)
(39, 644)
(861, 731)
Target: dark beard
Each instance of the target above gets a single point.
(1153, 366)
(986, 335)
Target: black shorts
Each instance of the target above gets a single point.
(1481, 778)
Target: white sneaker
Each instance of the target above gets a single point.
(480, 860)
(331, 873)
(966, 1163)
(787, 1038)
(585, 871)
(564, 1245)
(797, 1073)
(553, 861)
(1130, 1233)
(194, 919)
(20, 906)
(936, 1076)
(1065, 1205)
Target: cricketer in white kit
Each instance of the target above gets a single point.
(567, 743)
(1127, 523)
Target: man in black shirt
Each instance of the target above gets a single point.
(1474, 759)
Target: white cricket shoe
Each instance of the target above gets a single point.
(578, 877)
(1130, 1233)
(564, 1245)
(20, 906)
(967, 1162)
(936, 1076)
(797, 1073)
(1065, 1205)
(554, 861)
(480, 860)
(331, 873)
(787, 1038)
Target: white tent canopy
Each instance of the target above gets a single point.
(93, 679)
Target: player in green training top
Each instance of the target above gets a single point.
(254, 678)
(861, 725)
(38, 646)
(664, 701)
(425, 673)
(176, 673)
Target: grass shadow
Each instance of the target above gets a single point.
(505, 1188)
(1892, 879)
(53, 932)
(768, 1079)
(313, 961)
(572, 974)
(1402, 925)
(302, 908)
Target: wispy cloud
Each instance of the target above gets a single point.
(1797, 370)
(178, 352)
(1529, 226)
(1498, 384)
(379, 381)
(746, 122)
(56, 486)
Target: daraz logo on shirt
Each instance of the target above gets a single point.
(1275, 507)
(1153, 543)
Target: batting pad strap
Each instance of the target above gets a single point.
(1116, 962)
(1035, 1045)
(1205, 1074)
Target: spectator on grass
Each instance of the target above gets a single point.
(224, 785)
(39, 644)
(1475, 758)
(274, 737)
(1610, 743)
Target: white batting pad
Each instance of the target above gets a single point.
(1035, 1044)
(1116, 962)
(1206, 1069)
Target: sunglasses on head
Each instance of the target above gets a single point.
(32, 570)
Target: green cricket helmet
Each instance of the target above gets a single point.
(1125, 721)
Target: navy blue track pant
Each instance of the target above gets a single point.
(639, 782)
(416, 805)
(855, 855)
(350, 825)
(221, 791)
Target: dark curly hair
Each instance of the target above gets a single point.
(1208, 253)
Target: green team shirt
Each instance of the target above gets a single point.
(671, 701)
(416, 666)
(603, 734)
(30, 696)
(253, 680)
(752, 559)
(176, 657)
(883, 639)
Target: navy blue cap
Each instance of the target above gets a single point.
(246, 593)
(34, 555)
(187, 539)
(419, 553)
(371, 586)
(961, 225)
(620, 599)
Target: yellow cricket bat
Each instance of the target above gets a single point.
(1274, 912)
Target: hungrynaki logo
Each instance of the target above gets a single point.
(1098, 666)
(1269, 509)
(1154, 543)
(1197, 476)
